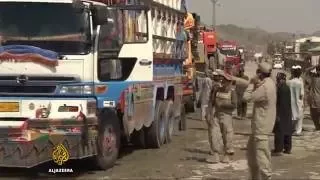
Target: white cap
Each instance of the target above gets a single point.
(296, 67)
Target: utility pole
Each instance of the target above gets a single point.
(214, 4)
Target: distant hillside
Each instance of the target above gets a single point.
(317, 33)
(251, 37)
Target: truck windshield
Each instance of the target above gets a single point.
(229, 52)
(60, 27)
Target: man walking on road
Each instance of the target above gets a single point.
(224, 102)
(297, 98)
(314, 94)
(263, 95)
(205, 95)
(283, 126)
(241, 105)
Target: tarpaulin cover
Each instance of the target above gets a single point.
(25, 49)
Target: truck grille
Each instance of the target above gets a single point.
(39, 78)
(35, 85)
(27, 89)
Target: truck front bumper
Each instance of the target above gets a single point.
(29, 141)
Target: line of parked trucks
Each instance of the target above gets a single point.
(108, 72)
(206, 53)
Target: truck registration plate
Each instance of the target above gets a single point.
(9, 107)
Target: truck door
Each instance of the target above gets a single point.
(125, 46)
(137, 41)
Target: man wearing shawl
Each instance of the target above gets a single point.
(283, 126)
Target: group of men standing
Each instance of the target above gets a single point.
(276, 106)
(290, 104)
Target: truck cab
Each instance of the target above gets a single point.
(209, 39)
(229, 56)
(77, 74)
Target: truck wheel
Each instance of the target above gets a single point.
(156, 133)
(108, 141)
(170, 120)
(138, 138)
(182, 119)
(190, 104)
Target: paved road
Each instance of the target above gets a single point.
(184, 157)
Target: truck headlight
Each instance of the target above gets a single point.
(81, 89)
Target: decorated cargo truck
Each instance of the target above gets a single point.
(229, 57)
(77, 77)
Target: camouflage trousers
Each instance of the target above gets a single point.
(315, 115)
(204, 112)
(220, 133)
(259, 157)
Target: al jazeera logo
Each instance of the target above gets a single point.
(60, 155)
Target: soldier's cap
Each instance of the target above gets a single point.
(265, 67)
(225, 75)
(216, 72)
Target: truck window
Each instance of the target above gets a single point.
(59, 27)
(111, 34)
(229, 52)
(135, 26)
(127, 26)
(111, 37)
(113, 69)
(110, 69)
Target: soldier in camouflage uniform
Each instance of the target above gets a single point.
(224, 101)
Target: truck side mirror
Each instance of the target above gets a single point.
(100, 15)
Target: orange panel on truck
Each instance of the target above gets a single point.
(210, 40)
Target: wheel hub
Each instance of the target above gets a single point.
(109, 140)
(162, 125)
(171, 123)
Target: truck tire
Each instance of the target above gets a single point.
(138, 138)
(189, 104)
(156, 133)
(170, 120)
(182, 121)
(108, 141)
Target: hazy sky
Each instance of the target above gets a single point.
(271, 15)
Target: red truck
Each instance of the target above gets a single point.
(229, 57)
(209, 38)
(202, 48)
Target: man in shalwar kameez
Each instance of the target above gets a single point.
(297, 97)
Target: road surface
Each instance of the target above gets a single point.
(184, 157)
